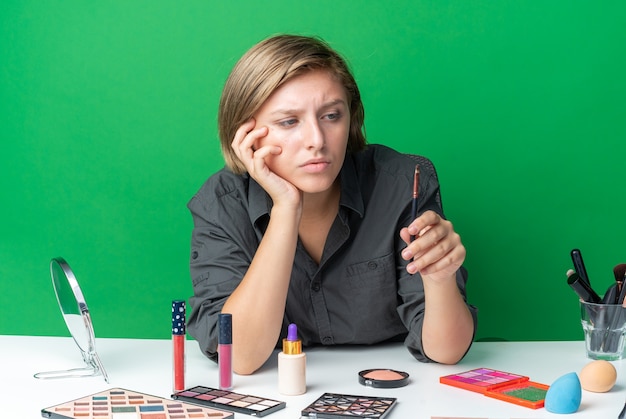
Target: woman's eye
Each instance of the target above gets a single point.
(333, 116)
(288, 122)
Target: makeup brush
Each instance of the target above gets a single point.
(587, 295)
(622, 291)
(579, 265)
(582, 288)
(618, 272)
(416, 181)
(618, 291)
(619, 316)
(614, 294)
(611, 295)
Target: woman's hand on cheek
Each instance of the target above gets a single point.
(245, 138)
(436, 251)
(254, 156)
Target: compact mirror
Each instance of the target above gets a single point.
(76, 315)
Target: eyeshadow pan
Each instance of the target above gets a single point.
(189, 393)
(527, 394)
(239, 403)
(218, 392)
(120, 409)
(201, 389)
(151, 409)
(223, 400)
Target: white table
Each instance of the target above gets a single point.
(145, 366)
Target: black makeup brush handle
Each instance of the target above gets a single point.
(583, 289)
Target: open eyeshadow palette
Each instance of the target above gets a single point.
(118, 403)
(332, 405)
(229, 400)
(512, 388)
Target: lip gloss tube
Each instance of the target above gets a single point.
(225, 350)
(178, 344)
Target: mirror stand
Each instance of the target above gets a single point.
(76, 315)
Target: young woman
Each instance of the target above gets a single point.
(309, 225)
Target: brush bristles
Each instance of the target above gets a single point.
(619, 271)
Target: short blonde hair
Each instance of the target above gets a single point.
(268, 65)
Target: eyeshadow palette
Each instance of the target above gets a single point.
(229, 400)
(481, 379)
(118, 403)
(332, 405)
(512, 388)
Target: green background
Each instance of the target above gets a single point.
(108, 127)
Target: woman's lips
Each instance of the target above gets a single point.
(315, 166)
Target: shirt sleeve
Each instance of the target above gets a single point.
(411, 287)
(222, 247)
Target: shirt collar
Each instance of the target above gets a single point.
(350, 189)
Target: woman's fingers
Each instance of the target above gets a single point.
(245, 141)
(436, 247)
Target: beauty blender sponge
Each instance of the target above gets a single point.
(598, 376)
(564, 395)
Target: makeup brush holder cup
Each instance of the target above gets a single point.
(604, 326)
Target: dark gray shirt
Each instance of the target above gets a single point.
(360, 293)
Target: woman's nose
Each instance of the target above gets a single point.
(314, 136)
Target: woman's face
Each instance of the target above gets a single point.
(309, 119)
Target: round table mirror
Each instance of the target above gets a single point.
(76, 315)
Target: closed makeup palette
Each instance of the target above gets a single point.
(229, 400)
(332, 405)
(512, 388)
(118, 403)
(383, 378)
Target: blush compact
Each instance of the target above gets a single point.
(383, 378)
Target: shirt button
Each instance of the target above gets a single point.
(315, 286)
(327, 340)
(372, 265)
(194, 255)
